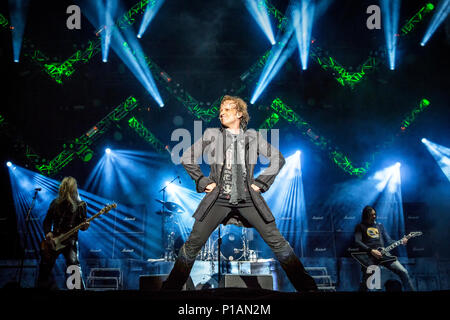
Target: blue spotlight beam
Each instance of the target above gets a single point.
(259, 12)
(303, 17)
(124, 43)
(287, 200)
(18, 13)
(441, 154)
(300, 22)
(382, 190)
(278, 56)
(122, 227)
(133, 57)
(106, 14)
(441, 13)
(150, 12)
(391, 11)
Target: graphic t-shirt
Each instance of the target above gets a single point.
(225, 190)
(371, 236)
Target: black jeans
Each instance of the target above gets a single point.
(201, 231)
(395, 267)
(70, 253)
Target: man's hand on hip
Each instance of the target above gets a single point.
(210, 187)
(255, 187)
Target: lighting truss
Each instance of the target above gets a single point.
(12, 135)
(411, 117)
(193, 105)
(341, 160)
(3, 21)
(270, 122)
(81, 144)
(329, 64)
(59, 71)
(416, 19)
(207, 114)
(340, 73)
(143, 132)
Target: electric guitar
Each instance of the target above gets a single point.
(51, 246)
(366, 259)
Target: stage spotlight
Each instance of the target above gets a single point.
(278, 56)
(398, 164)
(259, 12)
(439, 16)
(441, 154)
(105, 60)
(18, 14)
(150, 12)
(139, 36)
(9, 164)
(169, 186)
(107, 150)
(286, 199)
(303, 16)
(391, 11)
(423, 140)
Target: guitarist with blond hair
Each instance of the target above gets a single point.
(64, 213)
(370, 235)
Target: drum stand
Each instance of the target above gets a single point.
(248, 255)
(169, 254)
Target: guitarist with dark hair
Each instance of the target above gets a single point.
(369, 236)
(64, 213)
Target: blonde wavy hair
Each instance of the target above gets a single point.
(68, 191)
(241, 106)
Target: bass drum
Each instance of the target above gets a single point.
(232, 244)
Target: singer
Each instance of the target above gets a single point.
(64, 213)
(233, 195)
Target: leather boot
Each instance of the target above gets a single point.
(297, 274)
(179, 274)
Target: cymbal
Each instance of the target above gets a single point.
(172, 206)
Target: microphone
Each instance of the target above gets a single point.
(38, 189)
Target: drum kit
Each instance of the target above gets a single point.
(235, 244)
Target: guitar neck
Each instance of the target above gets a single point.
(395, 244)
(72, 231)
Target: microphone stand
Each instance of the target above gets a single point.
(27, 231)
(163, 190)
(219, 273)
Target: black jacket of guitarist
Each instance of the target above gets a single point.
(371, 236)
(62, 218)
